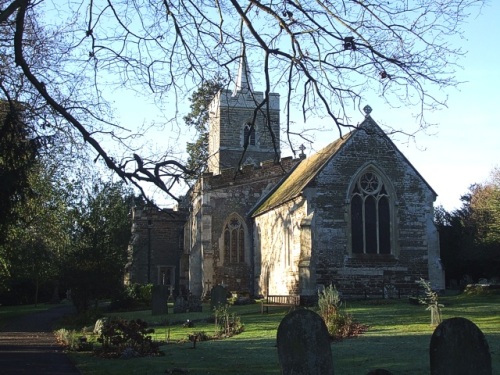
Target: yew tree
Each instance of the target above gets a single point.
(324, 57)
(197, 118)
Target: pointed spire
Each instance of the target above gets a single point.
(243, 81)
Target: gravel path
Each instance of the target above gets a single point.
(28, 346)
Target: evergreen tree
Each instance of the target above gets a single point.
(470, 236)
(18, 152)
(197, 119)
(94, 266)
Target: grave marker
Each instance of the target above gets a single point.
(159, 300)
(180, 305)
(304, 344)
(218, 297)
(459, 347)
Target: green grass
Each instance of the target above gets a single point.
(397, 340)
(7, 312)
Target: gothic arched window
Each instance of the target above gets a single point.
(234, 241)
(249, 135)
(370, 216)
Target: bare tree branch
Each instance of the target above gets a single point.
(322, 56)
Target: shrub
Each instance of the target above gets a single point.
(431, 299)
(72, 340)
(68, 338)
(118, 336)
(133, 296)
(339, 323)
(199, 336)
(226, 325)
(84, 318)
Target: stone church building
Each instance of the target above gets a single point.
(356, 214)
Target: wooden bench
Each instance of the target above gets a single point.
(279, 301)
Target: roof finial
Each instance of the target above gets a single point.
(302, 148)
(367, 110)
(243, 81)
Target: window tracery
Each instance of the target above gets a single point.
(370, 216)
(234, 241)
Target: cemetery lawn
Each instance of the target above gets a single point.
(8, 312)
(397, 339)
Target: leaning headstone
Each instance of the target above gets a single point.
(159, 300)
(218, 297)
(458, 347)
(304, 344)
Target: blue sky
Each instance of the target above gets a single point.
(464, 146)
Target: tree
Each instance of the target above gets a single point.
(197, 118)
(34, 241)
(485, 206)
(18, 152)
(470, 236)
(94, 266)
(321, 55)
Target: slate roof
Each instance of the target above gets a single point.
(296, 181)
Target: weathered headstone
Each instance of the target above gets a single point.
(459, 347)
(218, 297)
(159, 300)
(304, 344)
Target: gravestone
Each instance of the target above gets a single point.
(459, 347)
(159, 300)
(180, 305)
(304, 344)
(218, 297)
(194, 304)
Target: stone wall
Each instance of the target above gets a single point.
(278, 249)
(228, 116)
(216, 198)
(413, 238)
(325, 210)
(156, 247)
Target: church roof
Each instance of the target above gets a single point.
(297, 180)
(293, 185)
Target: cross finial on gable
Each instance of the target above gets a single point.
(302, 148)
(367, 110)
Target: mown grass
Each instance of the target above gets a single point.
(397, 340)
(8, 312)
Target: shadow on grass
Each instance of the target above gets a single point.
(398, 340)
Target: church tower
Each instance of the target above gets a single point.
(241, 132)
